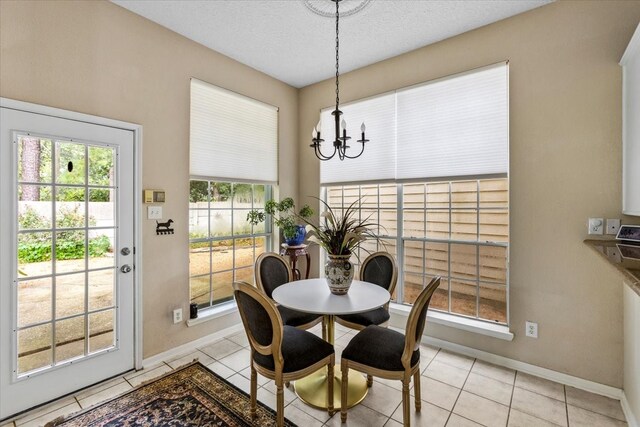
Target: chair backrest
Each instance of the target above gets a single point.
(380, 268)
(261, 320)
(416, 321)
(272, 270)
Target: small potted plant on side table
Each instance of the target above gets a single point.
(340, 236)
(285, 217)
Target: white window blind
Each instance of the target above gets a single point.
(233, 137)
(456, 126)
(378, 160)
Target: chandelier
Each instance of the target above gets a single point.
(340, 142)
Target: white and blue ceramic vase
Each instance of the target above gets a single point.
(338, 271)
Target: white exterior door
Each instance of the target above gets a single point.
(66, 256)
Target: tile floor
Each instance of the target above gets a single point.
(456, 391)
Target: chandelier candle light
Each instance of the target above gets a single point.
(340, 142)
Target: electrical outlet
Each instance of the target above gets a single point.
(531, 329)
(177, 315)
(613, 225)
(154, 212)
(596, 225)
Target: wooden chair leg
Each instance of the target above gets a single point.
(343, 390)
(416, 388)
(369, 380)
(330, 387)
(279, 404)
(254, 390)
(406, 403)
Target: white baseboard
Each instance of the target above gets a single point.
(632, 420)
(581, 383)
(191, 346)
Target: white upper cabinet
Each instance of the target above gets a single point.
(631, 126)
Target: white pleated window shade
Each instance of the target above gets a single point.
(458, 126)
(378, 160)
(233, 137)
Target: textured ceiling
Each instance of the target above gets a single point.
(284, 39)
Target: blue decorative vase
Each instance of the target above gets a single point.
(298, 238)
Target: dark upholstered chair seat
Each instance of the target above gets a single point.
(300, 349)
(371, 317)
(379, 348)
(295, 318)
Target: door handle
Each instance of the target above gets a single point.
(125, 268)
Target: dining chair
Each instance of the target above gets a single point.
(388, 354)
(279, 352)
(272, 270)
(379, 268)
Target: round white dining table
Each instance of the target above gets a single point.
(314, 296)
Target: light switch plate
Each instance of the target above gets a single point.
(596, 225)
(613, 225)
(154, 212)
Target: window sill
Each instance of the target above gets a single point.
(214, 312)
(470, 325)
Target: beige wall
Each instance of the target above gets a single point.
(565, 165)
(565, 84)
(100, 59)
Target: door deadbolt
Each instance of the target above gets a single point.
(125, 268)
(125, 251)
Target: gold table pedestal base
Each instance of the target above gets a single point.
(313, 389)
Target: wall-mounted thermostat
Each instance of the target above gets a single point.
(154, 196)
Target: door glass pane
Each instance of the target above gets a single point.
(34, 159)
(34, 254)
(101, 289)
(220, 221)
(101, 207)
(199, 258)
(34, 301)
(34, 348)
(70, 251)
(413, 257)
(101, 170)
(101, 330)
(101, 252)
(70, 165)
(70, 207)
(412, 286)
(69, 338)
(34, 207)
(69, 295)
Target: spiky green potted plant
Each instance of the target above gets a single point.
(340, 235)
(285, 217)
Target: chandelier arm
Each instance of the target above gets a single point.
(358, 155)
(322, 156)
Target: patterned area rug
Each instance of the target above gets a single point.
(189, 396)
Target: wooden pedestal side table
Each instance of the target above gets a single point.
(293, 252)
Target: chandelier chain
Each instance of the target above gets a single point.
(337, 55)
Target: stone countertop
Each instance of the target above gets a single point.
(622, 256)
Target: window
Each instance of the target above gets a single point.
(223, 246)
(435, 177)
(233, 165)
(455, 229)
